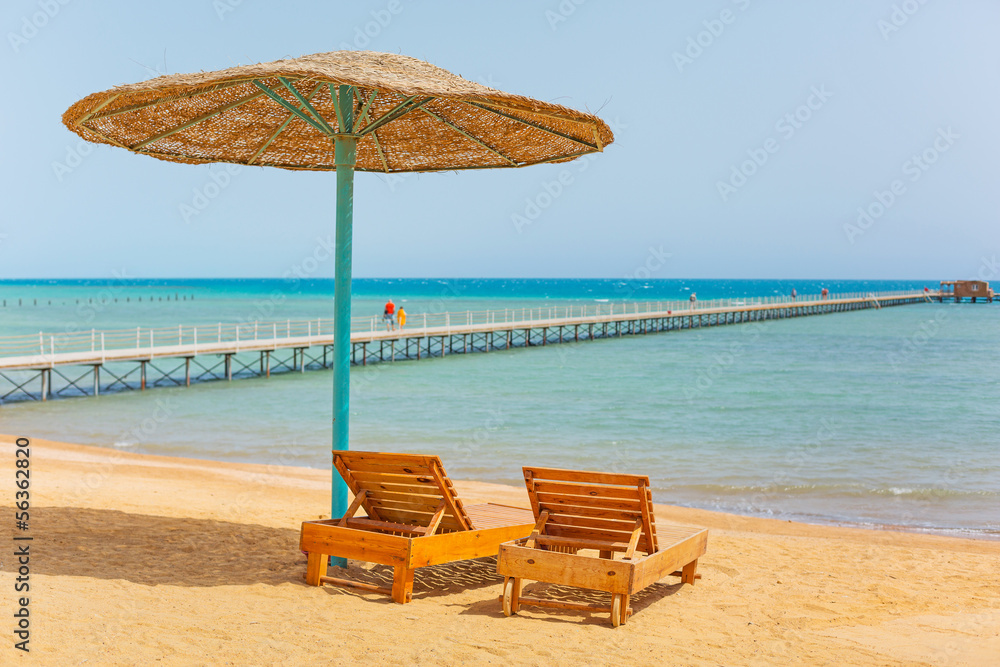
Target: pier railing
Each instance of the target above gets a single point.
(51, 343)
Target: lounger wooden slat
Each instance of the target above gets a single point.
(580, 501)
(596, 512)
(426, 480)
(585, 534)
(609, 513)
(427, 504)
(405, 489)
(567, 489)
(414, 519)
(574, 519)
(587, 478)
(428, 500)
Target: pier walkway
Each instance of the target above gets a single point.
(48, 365)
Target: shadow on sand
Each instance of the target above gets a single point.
(639, 601)
(156, 550)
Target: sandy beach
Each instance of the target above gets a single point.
(143, 559)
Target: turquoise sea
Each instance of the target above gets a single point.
(884, 417)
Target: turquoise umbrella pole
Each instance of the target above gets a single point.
(345, 156)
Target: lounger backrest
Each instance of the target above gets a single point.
(592, 505)
(402, 488)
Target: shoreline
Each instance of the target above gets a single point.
(138, 558)
(678, 509)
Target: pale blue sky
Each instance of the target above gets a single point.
(884, 86)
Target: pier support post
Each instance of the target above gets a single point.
(46, 376)
(229, 367)
(142, 376)
(187, 371)
(97, 379)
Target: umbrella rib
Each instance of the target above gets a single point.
(106, 137)
(305, 103)
(161, 100)
(468, 136)
(85, 118)
(361, 118)
(404, 107)
(195, 121)
(336, 105)
(381, 154)
(534, 125)
(546, 114)
(567, 156)
(289, 106)
(364, 111)
(281, 128)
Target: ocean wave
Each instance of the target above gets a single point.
(831, 490)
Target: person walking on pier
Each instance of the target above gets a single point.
(389, 314)
(401, 317)
(693, 299)
(825, 293)
(794, 294)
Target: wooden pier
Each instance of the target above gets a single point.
(90, 363)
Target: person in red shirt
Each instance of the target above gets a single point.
(389, 315)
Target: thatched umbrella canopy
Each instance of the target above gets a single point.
(408, 116)
(343, 111)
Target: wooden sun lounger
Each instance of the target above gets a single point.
(414, 519)
(607, 513)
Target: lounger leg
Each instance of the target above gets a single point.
(511, 597)
(607, 554)
(402, 584)
(316, 568)
(687, 574)
(623, 609)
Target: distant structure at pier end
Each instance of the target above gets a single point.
(959, 290)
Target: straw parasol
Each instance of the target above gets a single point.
(343, 111)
